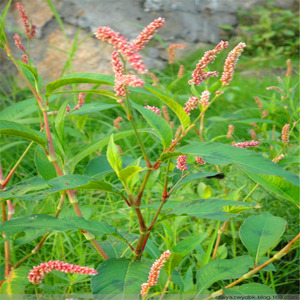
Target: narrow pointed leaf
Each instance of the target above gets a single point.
(113, 155)
(126, 174)
(250, 289)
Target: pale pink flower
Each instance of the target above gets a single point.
(204, 100)
(285, 133)
(180, 71)
(230, 131)
(200, 161)
(276, 88)
(24, 59)
(29, 28)
(117, 64)
(278, 158)
(230, 63)
(154, 272)
(200, 74)
(253, 134)
(121, 44)
(68, 109)
(191, 104)
(264, 113)
(146, 35)
(181, 163)
(166, 114)
(154, 78)
(171, 50)
(38, 273)
(81, 98)
(18, 42)
(154, 109)
(117, 123)
(245, 144)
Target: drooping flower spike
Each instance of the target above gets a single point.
(154, 109)
(38, 273)
(30, 29)
(246, 144)
(171, 50)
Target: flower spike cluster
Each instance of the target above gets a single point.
(154, 273)
(245, 144)
(38, 273)
(200, 74)
(29, 28)
(230, 63)
(191, 104)
(146, 35)
(204, 100)
(181, 163)
(200, 161)
(18, 42)
(154, 109)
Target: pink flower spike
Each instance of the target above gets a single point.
(154, 273)
(246, 144)
(230, 131)
(180, 71)
(29, 29)
(200, 161)
(117, 64)
(121, 44)
(18, 42)
(171, 51)
(117, 123)
(191, 104)
(81, 98)
(205, 99)
(181, 163)
(199, 74)
(154, 109)
(285, 133)
(278, 158)
(146, 35)
(38, 273)
(230, 63)
(25, 59)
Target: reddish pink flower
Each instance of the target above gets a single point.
(191, 104)
(29, 28)
(230, 63)
(245, 144)
(199, 74)
(171, 50)
(121, 44)
(278, 158)
(180, 71)
(25, 59)
(200, 161)
(146, 35)
(154, 109)
(18, 42)
(117, 64)
(38, 273)
(205, 99)
(154, 272)
(117, 123)
(181, 163)
(81, 98)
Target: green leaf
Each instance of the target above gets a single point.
(196, 176)
(160, 125)
(95, 146)
(44, 167)
(91, 108)
(16, 282)
(189, 244)
(126, 174)
(79, 78)
(30, 72)
(15, 129)
(177, 108)
(93, 91)
(49, 223)
(113, 155)
(172, 262)
(59, 122)
(207, 209)
(222, 269)
(250, 289)
(276, 185)
(259, 233)
(98, 166)
(2, 24)
(120, 276)
(221, 154)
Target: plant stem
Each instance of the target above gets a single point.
(6, 244)
(211, 244)
(142, 188)
(248, 275)
(220, 232)
(8, 177)
(165, 288)
(201, 128)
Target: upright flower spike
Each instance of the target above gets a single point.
(230, 131)
(199, 74)
(230, 63)
(24, 59)
(117, 122)
(246, 144)
(121, 44)
(146, 35)
(29, 28)
(154, 273)
(285, 133)
(180, 71)
(258, 102)
(38, 273)
(18, 42)
(181, 163)
(81, 98)
(171, 50)
(204, 100)
(191, 104)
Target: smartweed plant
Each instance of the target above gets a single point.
(169, 150)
